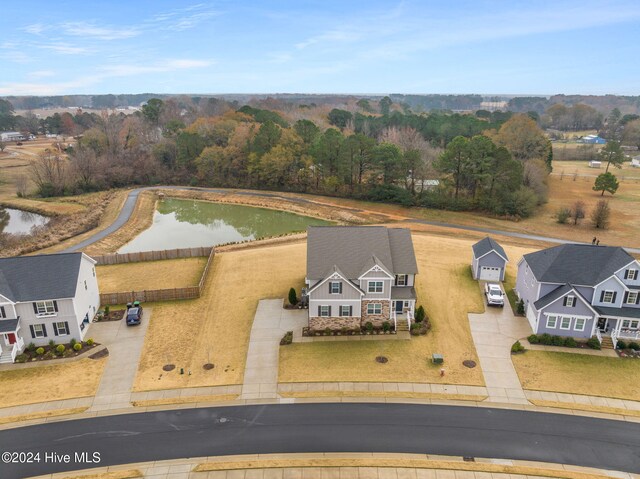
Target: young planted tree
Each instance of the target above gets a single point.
(563, 214)
(293, 298)
(601, 215)
(578, 211)
(606, 182)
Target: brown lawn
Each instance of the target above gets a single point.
(579, 374)
(171, 273)
(50, 383)
(216, 326)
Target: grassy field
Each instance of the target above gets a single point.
(50, 383)
(579, 374)
(216, 326)
(171, 273)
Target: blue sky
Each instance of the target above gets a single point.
(491, 47)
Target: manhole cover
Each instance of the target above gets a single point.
(469, 364)
(382, 359)
(169, 367)
(207, 366)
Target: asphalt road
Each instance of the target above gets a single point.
(326, 427)
(130, 204)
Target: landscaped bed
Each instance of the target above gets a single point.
(55, 351)
(165, 274)
(578, 374)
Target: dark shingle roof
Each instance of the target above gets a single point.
(8, 325)
(352, 248)
(559, 293)
(403, 292)
(486, 245)
(32, 278)
(577, 264)
(619, 312)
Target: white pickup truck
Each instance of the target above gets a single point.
(494, 294)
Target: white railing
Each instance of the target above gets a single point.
(394, 316)
(629, 334)
(14, 352)
(599, 335)
(20, 343)
(614, 338)
(409, 318)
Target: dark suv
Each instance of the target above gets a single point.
(134, 316)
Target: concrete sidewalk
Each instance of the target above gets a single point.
(270, 324)
(494, 331)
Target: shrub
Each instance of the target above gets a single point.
(563, 214)
(415, 329)
(287, 338)
(517, 347)
(293, 297)
(327, 331)
(546, 339)
(633, 345)
(420, 314)
(73, 342)
(557, 340)
(593, 343)
(368, 326)
(52, 344)
(520, 308)
(106, 310)
(31, 347)
(621, 344)
(570, 343)
(21, 358)
(77, 346)
(344, 330)
(40, 351)
(386, 326)
(60, 349)
(533, 339)
(89, 342)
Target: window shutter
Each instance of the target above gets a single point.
(626, 273)
(3, 314)
(396, 281)
(350, 310)
(564, 301)
(33, 333)
(35, 308)
(55, 329)
(55, 306)
(613, 299)
(44, 330)
(329, 310)
(601, 296)
(340, 283)
(319, 310)
(66, 325)
(638, 299)
(626, 296)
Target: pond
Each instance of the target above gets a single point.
(18, 221)
(188, 223)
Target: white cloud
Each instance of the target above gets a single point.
(184, 18)
(42, 74)
(63, 48)
(91, 30)
(35, 28)
(166, 66)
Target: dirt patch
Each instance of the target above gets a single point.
(103, 353)
(382, 359)
(469, 364)
(168, 367)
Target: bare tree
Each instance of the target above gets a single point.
(3, 145)
(22, 185)
(86, 166)
(578, 211)
(49, 173)
(601, 215)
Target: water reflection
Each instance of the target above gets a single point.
(18, 221)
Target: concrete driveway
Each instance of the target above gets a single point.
(494, 331)
(125, 345)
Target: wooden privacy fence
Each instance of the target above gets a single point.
(190, 292)
(121, 258)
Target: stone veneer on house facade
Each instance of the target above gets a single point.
(335, 323)
(375, 319)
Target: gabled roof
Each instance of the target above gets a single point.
(579, 264)
(558, 293)
(352, 248)
(335, 270)
(633, 313)
(487, 245)
(372, 262)
(41, 277)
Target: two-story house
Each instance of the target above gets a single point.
(581, 291)
(44, 298)
(360, 274)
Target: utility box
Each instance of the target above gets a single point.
(437, 358)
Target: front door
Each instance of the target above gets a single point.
(399, 306)
(602, 324)
(12, 338)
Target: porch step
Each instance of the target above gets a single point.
(402, 325)
(5, 357)
(606, 343)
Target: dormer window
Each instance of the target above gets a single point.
(631, 274)
(570, 301)
(608, 297)
(401, 280)
(375, 287)
(335, 287)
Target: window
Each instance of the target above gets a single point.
(407, 304)
(579, 324)
(61, 328)
(401, 280)
(335, 287)
(565, 322)
(45, 308)
(552, 322)
(94, 272)
(374, 308)
(629, 324)
(631, 274)
(345, 310)
(607, 297)
(38, 331)
(632, 297)
(570, 301)
(375, 287)
(85, 284)
(3, 313)
(324, 311)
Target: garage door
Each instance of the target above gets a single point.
(490, 274)
(531, 317)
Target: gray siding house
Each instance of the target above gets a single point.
(44, 298)
(581, 291)
(489, 262)
(360, 274)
